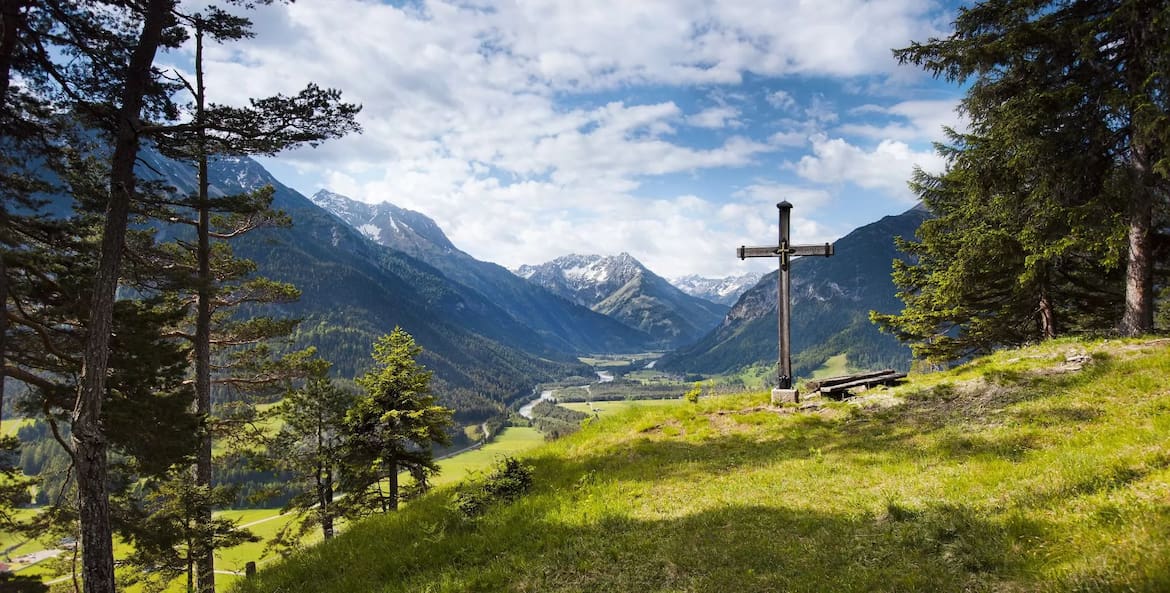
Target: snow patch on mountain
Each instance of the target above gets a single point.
(370, 231)
(725, 290)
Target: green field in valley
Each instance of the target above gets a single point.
(610, 408)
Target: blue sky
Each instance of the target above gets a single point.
(530, 129)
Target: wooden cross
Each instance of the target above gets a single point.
(785, 252)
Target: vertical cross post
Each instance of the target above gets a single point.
(783, 305)
(784, 390)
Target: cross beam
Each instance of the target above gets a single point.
(785, 251)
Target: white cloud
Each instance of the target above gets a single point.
(723, 116)
(915, 121)
(782, 100)
(477, 115)
(887, 167)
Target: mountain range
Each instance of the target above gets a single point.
(725, 291)
(831, 300)
(564, 325)
(490, 334)
(621, 287)
(354, 290)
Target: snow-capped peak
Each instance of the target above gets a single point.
(719, 290)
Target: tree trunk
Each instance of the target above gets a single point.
(88, 440)
(10, 14)
(1138, 318)
(3, 313)
(325, 502)
(1047, 318)
(393, 464)
(9, 31)
(205, 562)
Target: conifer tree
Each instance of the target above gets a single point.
(266, 127)
(310, 446)
(1074, 95)
(391, 427)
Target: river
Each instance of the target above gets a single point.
(526, 409)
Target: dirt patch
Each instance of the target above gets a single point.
(671, 427)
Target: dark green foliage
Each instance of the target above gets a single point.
(556, 421)
(508, 481)
(10, 583)
(390, 427)
(1050, 211)
(168, 533)
(310, 447)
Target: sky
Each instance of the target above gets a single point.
(668, 129)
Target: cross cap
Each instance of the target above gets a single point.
(784, 205)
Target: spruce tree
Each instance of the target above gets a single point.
(391, 427)
(1074, 95)
(309, 446)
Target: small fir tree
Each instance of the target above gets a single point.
(391, 426)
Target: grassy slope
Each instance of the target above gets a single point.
(1001, 475)
(511, 441)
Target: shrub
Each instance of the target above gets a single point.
(508, 482)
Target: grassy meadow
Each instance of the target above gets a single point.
(1016, 472)
(265, 523)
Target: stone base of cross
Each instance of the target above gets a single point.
(785, 391)
(785, 396)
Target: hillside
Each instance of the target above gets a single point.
(1044, 469)
(564, 325)
(831, 301)
(353, 290)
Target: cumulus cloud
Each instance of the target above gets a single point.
(909, 120)
(887, 167)
(487, 117)
(723, 116)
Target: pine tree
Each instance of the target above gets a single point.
(391, 427)
(310, 446)
(1074, 95)
(266, 127)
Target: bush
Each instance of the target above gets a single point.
(508, 482)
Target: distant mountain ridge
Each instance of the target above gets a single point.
(354, 290)
(563, 324)
(831, 300)
(622, 288)
(725, 291)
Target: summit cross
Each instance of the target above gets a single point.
(785, 251)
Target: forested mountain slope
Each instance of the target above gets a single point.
(354, 290)
(831, 301)
(565, 325)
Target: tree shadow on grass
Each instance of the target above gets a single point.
(734, 548)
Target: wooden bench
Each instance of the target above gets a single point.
(839, 387)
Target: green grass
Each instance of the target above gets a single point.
(511, 441)
(1004, 475)
(614, 407)
(834, 367)
(12, 425)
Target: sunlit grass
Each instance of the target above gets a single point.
(833, 367)
(12, 425)
(612, 407)
(1012, 473)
